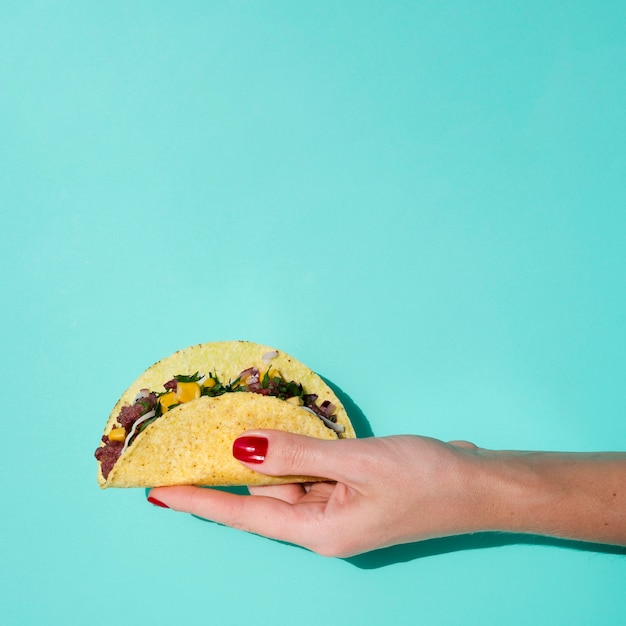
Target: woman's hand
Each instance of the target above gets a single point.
(384, 491)
(380, 491)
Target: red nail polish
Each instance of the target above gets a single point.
(156, 502)
(250, 449)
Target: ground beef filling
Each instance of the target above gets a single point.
(108, 455)
(111, 451)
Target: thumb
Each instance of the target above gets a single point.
(278, 453)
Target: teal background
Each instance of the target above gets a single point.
(423, 201)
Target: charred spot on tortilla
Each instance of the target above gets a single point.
(176, 423)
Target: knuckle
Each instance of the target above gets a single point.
(333, 542)
(236, 516)
(291, 456)
(334, 548)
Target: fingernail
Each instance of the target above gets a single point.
(156, 502)
(250, 449)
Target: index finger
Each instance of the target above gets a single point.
(262, 515)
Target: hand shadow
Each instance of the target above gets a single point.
(478, 541)
(357, 417)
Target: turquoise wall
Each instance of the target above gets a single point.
(424, 202)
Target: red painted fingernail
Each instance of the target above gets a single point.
(250, 449)
(156, 502)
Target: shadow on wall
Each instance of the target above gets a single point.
(479, 541)
(357, 417)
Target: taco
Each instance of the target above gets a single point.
(175, 425)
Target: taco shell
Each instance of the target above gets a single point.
(191, 444)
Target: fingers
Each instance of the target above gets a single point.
(290, 493)
(278, 453)
(284, 512)
(271, 517)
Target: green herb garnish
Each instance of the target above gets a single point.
(194, 378)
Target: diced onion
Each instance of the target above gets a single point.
(268, 356)
(251, 372)
(327, 408)
(338, 428)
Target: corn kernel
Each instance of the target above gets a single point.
(117, 434)
(187, 391)
(167, 400)
(209, 383)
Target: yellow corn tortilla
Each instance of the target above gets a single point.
(192, 443)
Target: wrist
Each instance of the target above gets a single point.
(514, 495)
(498, 492)
(567, 495)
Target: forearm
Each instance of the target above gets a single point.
(567, 495)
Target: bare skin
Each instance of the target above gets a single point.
(391, 490)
